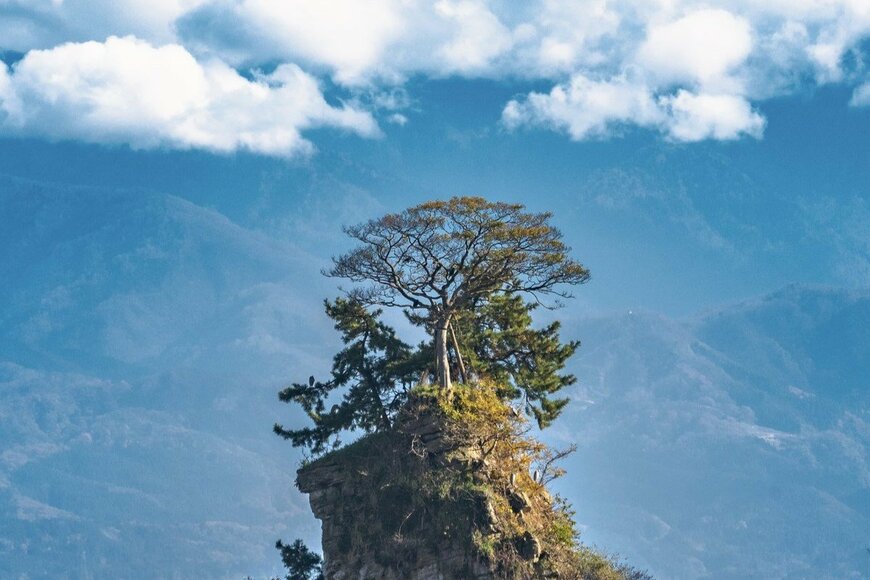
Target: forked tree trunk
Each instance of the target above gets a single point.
(442, 361)
(463, 376)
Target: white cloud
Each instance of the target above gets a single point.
(357, 42)
(689, 68)
(706, 116)
(702, 47)
(566, 38)
(847, 23)
(861, 96)
(479, 36)
(126, 91)
(346, 36)
(693, 70)
(586, 108)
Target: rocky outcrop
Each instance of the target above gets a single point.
(364, 498)
(446, 493)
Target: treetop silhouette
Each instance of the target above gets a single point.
(442, 257)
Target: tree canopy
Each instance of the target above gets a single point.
(441, 257)
(456, 273)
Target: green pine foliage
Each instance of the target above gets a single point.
(372, 373)
(300, 562)
(375, 370)
(499, 342)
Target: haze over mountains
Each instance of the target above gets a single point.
(143, 339)
(710, 444)
(143, 342)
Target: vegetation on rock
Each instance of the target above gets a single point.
(446, 476)
(458, 483)
(501, 344)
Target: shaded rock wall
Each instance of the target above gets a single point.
(454, 490)
(363, 496)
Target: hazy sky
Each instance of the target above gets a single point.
(692, 152)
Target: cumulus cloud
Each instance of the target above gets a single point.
(345, 36)
(127, 91)
(683, 79)
(562, 39)
(479, 37)
(695, 117)
(356, 42)
(691, 69)
(586, 108)
(861, 96)
(702, 47)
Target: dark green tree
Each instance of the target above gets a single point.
(374, 371)
(499, 341)
(300, 562)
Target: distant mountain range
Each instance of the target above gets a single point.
(143, 343)
(732, 445)
(143, 339)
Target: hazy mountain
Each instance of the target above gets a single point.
(143, 341)
(733, 445)
(143, 338)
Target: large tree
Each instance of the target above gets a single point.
(375, 370)
(440, 258)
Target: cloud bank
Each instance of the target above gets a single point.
(126, 91)
(690, 70)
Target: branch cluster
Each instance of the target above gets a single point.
(442, 256)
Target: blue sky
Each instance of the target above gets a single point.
(663, 225)
(693, 152)
(174, 174)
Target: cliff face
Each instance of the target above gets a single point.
(449, 492)
(374, 526)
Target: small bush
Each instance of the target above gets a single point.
(300, 562)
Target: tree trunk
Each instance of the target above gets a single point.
(462, 374)
(442, 361)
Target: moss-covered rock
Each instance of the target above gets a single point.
(447, 493)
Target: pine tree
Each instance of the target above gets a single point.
(374, 370)
(499, 342)
(300, 562)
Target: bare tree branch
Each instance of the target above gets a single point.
(442, 256)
